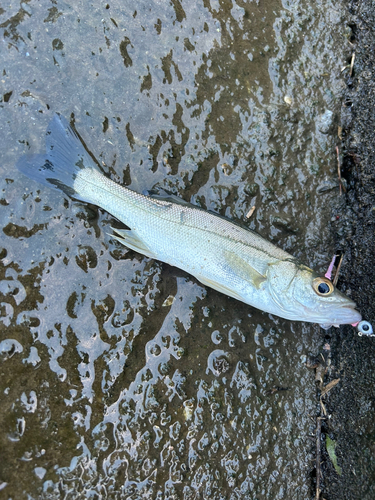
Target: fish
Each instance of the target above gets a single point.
(217, 251)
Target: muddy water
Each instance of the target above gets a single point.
(122, 377)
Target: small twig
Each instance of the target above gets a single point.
(329, 386)
(277, 389)
(319, 374)
(342, 187)
(323, 407)
(352, 64)
(335, 279)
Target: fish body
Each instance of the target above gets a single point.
(219, 253)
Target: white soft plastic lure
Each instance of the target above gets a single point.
(219, 253)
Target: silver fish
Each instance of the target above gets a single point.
(219, 253)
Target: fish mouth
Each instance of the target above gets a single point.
(344, 315)
(334, 314)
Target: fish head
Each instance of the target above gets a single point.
(303, 295)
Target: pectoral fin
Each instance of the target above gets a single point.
(127, 238)
(243, 269)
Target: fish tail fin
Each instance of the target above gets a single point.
(65, 158)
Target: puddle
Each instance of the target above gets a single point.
(122, 377)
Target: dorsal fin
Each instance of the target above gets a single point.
(163, 195)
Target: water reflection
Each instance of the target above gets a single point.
(122, 377)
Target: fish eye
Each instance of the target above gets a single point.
(323, 286)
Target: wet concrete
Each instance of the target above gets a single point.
(122, 377)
